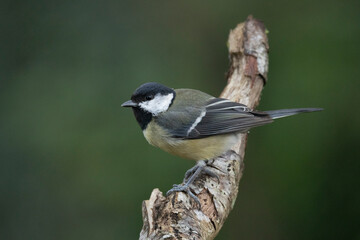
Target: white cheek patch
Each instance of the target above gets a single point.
(159, 104)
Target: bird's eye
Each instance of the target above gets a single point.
(150, 97)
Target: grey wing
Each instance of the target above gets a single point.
(182, 114)
(178, 121)
(222, 116)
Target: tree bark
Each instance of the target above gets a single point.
(179, 217)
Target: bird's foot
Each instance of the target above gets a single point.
(184, 188)
(211, 174)
(202, 165)
(190, 177)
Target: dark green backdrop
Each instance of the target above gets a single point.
(74, 165)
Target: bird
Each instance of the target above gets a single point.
(195, 125)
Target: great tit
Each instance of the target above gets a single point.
(195, 125)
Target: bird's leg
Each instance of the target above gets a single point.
(190, 172)
(190, 177)
(205, 170)
(186, 187)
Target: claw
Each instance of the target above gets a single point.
(211, 174)
(190, 177)
(184, 188)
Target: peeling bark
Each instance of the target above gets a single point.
(177, 216)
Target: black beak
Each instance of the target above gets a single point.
(129, 103)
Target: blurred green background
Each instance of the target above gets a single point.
(74, 165)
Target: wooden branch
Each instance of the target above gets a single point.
(177, 216)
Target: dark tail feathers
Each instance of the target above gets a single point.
(289, 112)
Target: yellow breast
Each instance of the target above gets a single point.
(195, 149)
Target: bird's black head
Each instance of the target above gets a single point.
(149, 100)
